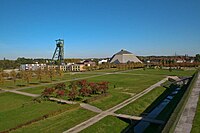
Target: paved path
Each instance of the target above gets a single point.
(110, 111)
(90, 107)
(62, 100)
(21, 93)
(139, 118)
(186, 120)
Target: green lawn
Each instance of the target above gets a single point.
(140, 105)
(196, 121)
(128, 83)
(163, 72)
(58, 123)
(108, 124)
(17, 109)
(123, 83)
(36, 90)
(109, 101)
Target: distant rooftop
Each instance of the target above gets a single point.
(123, 51)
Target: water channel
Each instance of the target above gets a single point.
(141, 126)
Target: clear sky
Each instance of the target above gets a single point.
(99, 28)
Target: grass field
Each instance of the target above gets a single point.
(59, 123)
(128, 83)
(123, 83)
(110, 100)
(108, 124)
(140, 105)
(17, 109)
(196, 121)
(163, 72)
(36, 90)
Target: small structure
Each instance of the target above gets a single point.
(124, 57)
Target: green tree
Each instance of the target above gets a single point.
(197, 58)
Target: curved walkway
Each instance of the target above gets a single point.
(186, 120)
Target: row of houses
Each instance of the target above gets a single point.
(64, 67)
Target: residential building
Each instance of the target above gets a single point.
(79, 67)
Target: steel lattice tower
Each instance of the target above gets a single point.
(59, 51)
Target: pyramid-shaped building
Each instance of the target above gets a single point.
(124, 57)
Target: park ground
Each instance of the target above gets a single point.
(21, 113)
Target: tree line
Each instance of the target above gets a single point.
(28, 75)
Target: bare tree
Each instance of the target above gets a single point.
(39, 73)
(13, 75)
(1, 78)
(27, 76)
(51, 73)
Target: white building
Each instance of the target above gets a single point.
(32, 66)
(103, 61)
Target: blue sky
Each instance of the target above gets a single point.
(99, 28)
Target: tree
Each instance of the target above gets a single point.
(51, 73)
(48, 92)
(103, 86)
(27, 76)
(1, 78)
(60, 86)
(39, 73)
(94, 87)
(60, 93)
(73, 92)
(82, 83)
(84, 91)
(13, 75)
(59, 72)
(5, 75)
(197, 58)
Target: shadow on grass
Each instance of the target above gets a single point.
(21, 85)
(34, 83)
(168, 90)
